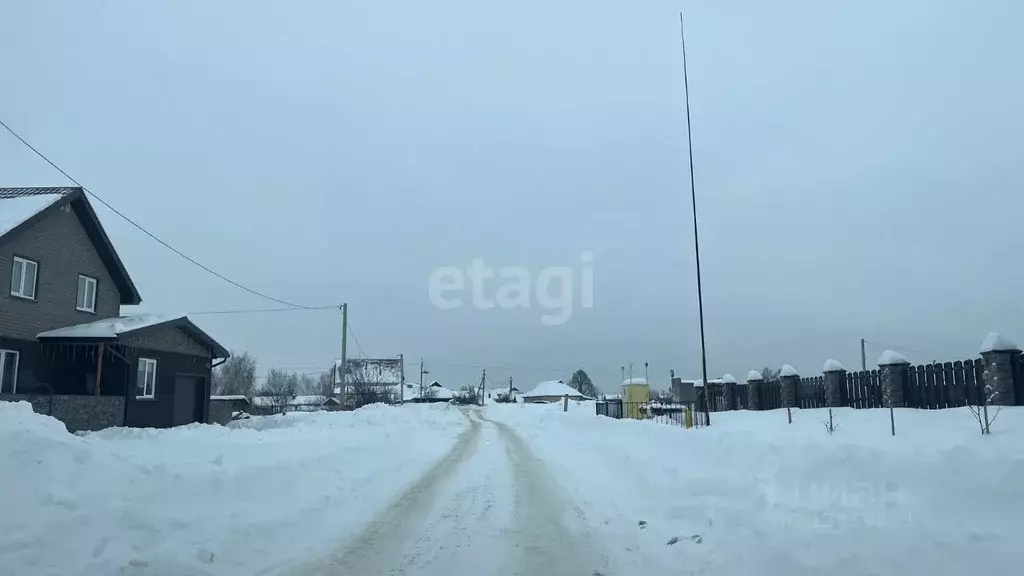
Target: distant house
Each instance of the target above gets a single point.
(266, 405)
(433, 392)
(552, 391)
(64, 345)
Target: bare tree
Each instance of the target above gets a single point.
(366, 386)
(831, 425)
(467, 395)
(771, 374)
(278, 391)
(237, 375)
(989, 394)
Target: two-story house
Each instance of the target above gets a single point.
(64, 345)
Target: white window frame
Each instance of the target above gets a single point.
(89, 306)
(19, 291)
(148, 385)
(17, 360)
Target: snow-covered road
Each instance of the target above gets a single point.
(488, 507)
(514, 490)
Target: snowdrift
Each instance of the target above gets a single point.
(754, 495)
(200, 499)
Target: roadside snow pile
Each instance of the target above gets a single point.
(200, 499)
(753, 495)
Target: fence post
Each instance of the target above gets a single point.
(835, 382)
(790, 386)
(895, 372)
(565, 403)
(754, 385)
(999, 355)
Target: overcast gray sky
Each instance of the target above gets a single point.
(858, 171)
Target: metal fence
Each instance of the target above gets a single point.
(664, 413)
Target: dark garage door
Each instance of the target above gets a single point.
(187, 390)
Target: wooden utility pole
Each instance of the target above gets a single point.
(344, 353)
(483, 378)
(422, 372)
(863, 356)
(401, 379)
(510, 388)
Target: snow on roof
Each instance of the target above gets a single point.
(889, 357)
(108, 327)
(788, 370)
(300, 400)
(634, 381)
(412, 392)
(553, 388)
(728, 379)
(754, 375)
(18, 209)
(228, 397)
(833, 366)
(997, 342)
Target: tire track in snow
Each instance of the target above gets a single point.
(551, 537)
(377, 548)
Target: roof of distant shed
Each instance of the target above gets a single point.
(19, 207)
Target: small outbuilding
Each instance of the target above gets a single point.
(552, 391)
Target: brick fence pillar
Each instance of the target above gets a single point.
(1000, 356)
(835, 383)
(790, 387)
(894, 372)
(729, 391)
(754, 384)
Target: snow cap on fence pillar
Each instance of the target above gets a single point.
(788, 370)
(996, 342)
(833, 366)
(891, 358)
(728, 379)
(754, 375)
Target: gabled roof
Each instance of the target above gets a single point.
(20, 207)
(110, 330)
(553, 388)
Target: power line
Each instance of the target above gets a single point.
(356, 340)
(144, 231)
(262, 310)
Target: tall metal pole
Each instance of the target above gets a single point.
(696, 240)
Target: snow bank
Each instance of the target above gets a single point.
(890, 357)
(997, 342)
(754, 495)
(788, 370)
(833, 366)
(754, 375)
(200, 499)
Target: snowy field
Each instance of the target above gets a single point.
(515, 490)
(754, 495)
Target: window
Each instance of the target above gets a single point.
(145, 385)
(86, 294)
(23, 278)
(8, 371)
